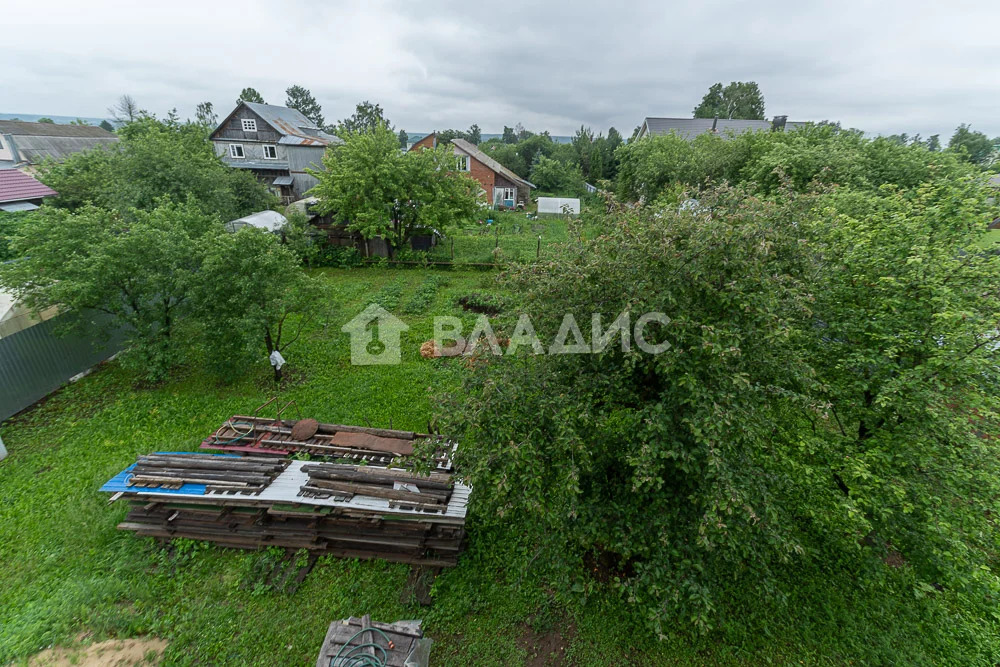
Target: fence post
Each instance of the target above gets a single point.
(498, 238)
(538, 250)
(453, 248)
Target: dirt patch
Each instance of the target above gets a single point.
(110, 653)
(546, 649)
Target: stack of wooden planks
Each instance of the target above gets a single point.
(401, 488)
(361, 641)
(249, 475)
(278, 437)
(342, 510)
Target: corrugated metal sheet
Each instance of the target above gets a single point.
(24, 128)
(35, 362)
(34, 150)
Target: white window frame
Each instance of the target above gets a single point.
(513, 196)
(464, 162)
(270, 148)
(249, 124)
(232, 151)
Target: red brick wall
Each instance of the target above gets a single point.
(485, 176)
(430, 141)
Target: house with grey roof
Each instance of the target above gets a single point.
(689, 128)
(276, 143)
(24, 145)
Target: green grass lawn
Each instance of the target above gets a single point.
(65, 569)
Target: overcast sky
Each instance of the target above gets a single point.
(921, 66)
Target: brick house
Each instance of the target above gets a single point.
(502, 187)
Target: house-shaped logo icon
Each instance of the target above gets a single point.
(375, 334)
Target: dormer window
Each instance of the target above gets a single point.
(249, 125)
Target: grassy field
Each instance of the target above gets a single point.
(511, 236)
(66, 570)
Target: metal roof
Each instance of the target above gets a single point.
(33, 149)
(294, 127)
(25, 129)
(282, 180)
(689, 128)
(18, 186)
(473, 150)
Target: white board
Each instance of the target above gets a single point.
(559, 205)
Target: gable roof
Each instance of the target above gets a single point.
(295, 129)
(689, 128)
(473, 151)
(18, 186)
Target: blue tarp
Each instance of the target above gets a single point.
(119, 482)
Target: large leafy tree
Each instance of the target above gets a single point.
(737, 100)
(367, 117)
(973, 145)
(136, 266)
(379, 191)
(249, 94)
(556, 177)
(252, 288)
(830, 378)
(300, 98)
(154, 160)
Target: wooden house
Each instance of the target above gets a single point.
(277, 143)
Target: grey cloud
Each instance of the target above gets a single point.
(920, 66)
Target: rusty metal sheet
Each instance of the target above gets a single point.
(372, 442)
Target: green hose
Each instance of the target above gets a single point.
(239, 437)
(355, 659)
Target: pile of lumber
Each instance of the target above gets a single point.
(359, 444)
(401, 488)
(249, 475)
(361, 641)
(342, 510)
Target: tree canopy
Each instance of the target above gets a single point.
(737, 100)
(153, 160)
(366, 118)
(378, 190)
(300, 98)
(249, 94)
(973, 145)
(829, 379)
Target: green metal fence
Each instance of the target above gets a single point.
(37, 360)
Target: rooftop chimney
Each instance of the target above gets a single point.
(778, 123)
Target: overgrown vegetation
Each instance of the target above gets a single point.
(824, 405)
(374, 189)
